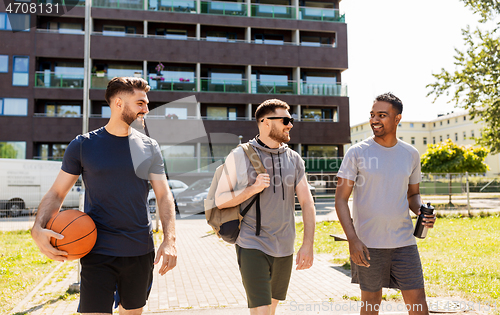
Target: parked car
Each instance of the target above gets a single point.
(176, 187)
(191, 200)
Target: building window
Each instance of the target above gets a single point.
(271, 39)
(411, 125)
(20, 73)
(400, 138)
(105, 111)
(316, 151)
(221, 113)
(51, 151)
(4, 63)
(177, 34)
(465, 135)
(440, 138)
(320, 114)
(115, 30)
(425, 140)
(361, 127)
(400, 124)
(13, 150)
(176, 113)
(448, 121)
(316, 41)
(441, 123)
(62, 110)
(465, 118)
(434, 124)
(423, 125)
(433, 140)
(13, 107)
(447, 136)
(412, 140)
(472, 133)
(456, 120)
(356, 128)
(214, 36)
(14, 22)
(456, 136)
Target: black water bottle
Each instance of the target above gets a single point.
(421, 230)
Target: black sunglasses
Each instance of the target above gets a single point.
(286, 120)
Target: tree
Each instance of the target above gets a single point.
(448, 157)
(7, 151)
(475, 83)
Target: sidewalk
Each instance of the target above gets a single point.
(207, 281)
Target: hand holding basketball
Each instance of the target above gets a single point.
(42, 239)
(79, 233)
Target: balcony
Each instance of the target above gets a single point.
(224, 8)
(53, 80)
(325, 89)
(183, 6)
(119, 4)
(273, 11)
(274, 87)
(224, 86)
(321, 14)
(159, 83)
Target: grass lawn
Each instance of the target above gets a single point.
(22, 266)
(460, 256)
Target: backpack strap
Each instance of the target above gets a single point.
(259, 168)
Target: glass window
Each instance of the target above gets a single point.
(441, 123)
(269, 39)
(412, 140)
(425, 140)
(71, 28)
(123, 70)
(176, 34)
(472, 133)
(232, 113)
(275, 79)
(447, 136)
(411, 125)
(218, 113)
(13, 150)
(465, 118)
(226, 78)
(327, 151)
(14, 107)
(465, 135)
(433, 140)
(113, 30)
(20, 75)
(448, 121)
(56, 110)
(170, 151)
(176, 113)
(456, 136)
(179, 76)
(440, 138)
(105, 111)
(400, 138)
(213, 36)
(14, 22)
(423, 125)
(4, 63)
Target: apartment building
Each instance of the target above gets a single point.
(457, 126)
(229, 55)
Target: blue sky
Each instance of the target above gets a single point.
(396, 45)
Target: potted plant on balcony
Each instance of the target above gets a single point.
(100, 73)
(159, 68)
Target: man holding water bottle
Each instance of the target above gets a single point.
(384, 173)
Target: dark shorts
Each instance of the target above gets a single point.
(101, 276)
(264, 277)
(397, 268)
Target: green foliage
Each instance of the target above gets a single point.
(448, 157)
(475, 83)
(7, 151)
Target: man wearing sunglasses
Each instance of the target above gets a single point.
(265, 254)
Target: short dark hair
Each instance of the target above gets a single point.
(268, 107)
(125, 85)
(392, 99)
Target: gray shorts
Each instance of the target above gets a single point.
(396, 268)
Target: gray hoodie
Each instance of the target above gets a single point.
(277, 202)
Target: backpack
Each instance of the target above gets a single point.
(226, 222)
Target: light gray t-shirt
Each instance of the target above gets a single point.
(381, 214)
(277, 202)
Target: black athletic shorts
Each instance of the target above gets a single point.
(101, 276)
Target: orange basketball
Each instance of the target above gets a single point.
(79, 232)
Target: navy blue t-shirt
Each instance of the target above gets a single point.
(115, 196)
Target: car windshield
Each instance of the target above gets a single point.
(200, 184)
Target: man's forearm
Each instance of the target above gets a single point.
(415, 202)
(309, 220)
(230, 199)
(50, 204)
(166, 210)
(344, 216)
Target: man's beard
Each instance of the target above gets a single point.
(128, 116)
(278, 136)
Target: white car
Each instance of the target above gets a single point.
(176, 187)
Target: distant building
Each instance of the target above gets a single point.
(456, 126)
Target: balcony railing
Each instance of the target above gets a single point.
(119, 4)
(186, 6)
(53, 80)
(80, 3)
(273, 11)
(224, 85)
(159, 83)
(321, 14)
(274, 87)
(224, 8)
(330, 89)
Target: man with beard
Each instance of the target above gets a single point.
(382, 247)
(265, 254)
(120, 266)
